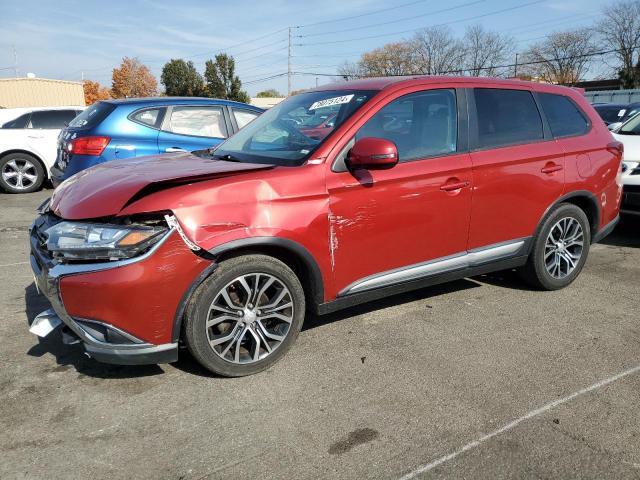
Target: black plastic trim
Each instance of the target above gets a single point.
(293, 246)
(606, 230)
(182, 306)
(576, 194)
(367, 296)
(140, 356)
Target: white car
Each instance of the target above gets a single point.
(28, 147)
(629, 135)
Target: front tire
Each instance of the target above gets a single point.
(21, 173)
(560, 249)
(245, 316)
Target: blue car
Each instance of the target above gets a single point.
(117, 129)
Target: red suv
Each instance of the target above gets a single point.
(420, 180)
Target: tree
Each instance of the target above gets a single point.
(222, 82)
(349, 70)
(563, 57)
(94, 92)
(391, 59)
(133, 79)
(270, 93)
(619, 29)
(485, 51)
(437, 51)
(181, 79)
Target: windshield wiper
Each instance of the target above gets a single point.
(226, 157)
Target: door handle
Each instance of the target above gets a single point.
(551, 168)
(35, 136)
(174, 149)
(449, 187)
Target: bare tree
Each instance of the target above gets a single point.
(619, 29)
(563, 57)
(437, 51)
(485, 51)
(349, 71)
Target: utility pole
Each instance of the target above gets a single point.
(515, 67)
(289, 66)
(15, 61)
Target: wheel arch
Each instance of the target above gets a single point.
(583, 199)
(31, 154)
(293, 254)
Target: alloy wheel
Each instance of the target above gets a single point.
(19, 174)
(249, 318)
(563, 248)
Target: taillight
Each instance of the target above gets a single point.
(88, 145)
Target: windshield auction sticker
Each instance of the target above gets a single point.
(331, 101)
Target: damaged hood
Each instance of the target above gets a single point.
(104, 190)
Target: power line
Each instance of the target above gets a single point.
(351, 17)
(475, 17)
(475, 2)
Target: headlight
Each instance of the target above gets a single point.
(86, 241)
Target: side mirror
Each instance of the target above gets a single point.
(372, 154)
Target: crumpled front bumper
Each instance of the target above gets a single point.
(128, 351)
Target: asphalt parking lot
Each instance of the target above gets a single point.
(481, 378)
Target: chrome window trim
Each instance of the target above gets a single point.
(458, 261)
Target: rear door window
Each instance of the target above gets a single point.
(243, 117)
(51, 119)
(564, 117)
(506, 117)
(197, 122)
(421, 125)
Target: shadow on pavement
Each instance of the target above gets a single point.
(74, 355)
(313, 321)
(626, 233)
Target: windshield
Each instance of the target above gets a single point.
(631, 127)
(288, 133)
(610, 113)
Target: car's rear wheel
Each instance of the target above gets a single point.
(560, 249)
(245, 316)
(21, 173)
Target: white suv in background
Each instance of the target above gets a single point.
(28, 147)
(629, 135)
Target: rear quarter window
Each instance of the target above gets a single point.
(93, 115)
(564, 117)
(20, 122)
(506, 117)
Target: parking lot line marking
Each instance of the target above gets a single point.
(13, 264)
(533, 413)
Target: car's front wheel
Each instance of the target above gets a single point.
(20, 173)
(245, 316)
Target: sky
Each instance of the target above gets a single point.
(70, 40)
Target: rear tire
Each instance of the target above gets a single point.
(245, 316)
(560, 249)
(21, 173)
